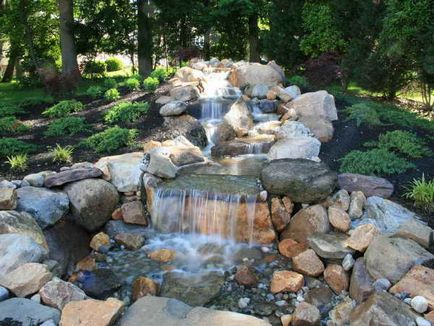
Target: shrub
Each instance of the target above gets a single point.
(376, 161)
(63, 108)
(114, 64)
(12, 146)
(403, 142)
(421, 192)
(112, 94)
(363, 113)
(132, 84)
(111, 139)
(9, 110)
(151, 84)
(69, 126)
(11, 125)
(18, 162)
(110, 83)
(62, 154)
(300, 81)
(160, 73)
(95, 68)
(126, 112)
(94, 91)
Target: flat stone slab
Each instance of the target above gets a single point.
(25, 312)
(329, 246)
(68, 176)
(369, 185)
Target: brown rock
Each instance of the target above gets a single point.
(150, 145)
(117, 214)
(8, 198)
(86, 264)
(308, 263)
(306, 315)
(291, 248)
(289, 205)
(430, 317)
(100, 240)
(57, 293)
(245, 276)
(321, 297)
(416, 231)
(357, 204)
(418, 281)
(271, 95)
(336, 278)
(286, 281)
(162, 255)
(361, 237)
(72, 175)
(134, 213)
(339, 219)
(130, 240)
(341, 200)
(279, 215)
(286, 320)
(143, 286)
(91, 312)
(340, 315)
(369, 185)
(361, 282)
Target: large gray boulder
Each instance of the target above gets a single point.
(239, 118)
(185, 93)
(187, 126)
(26, 312)
(173, 108)
(304, 181)
(92, 202)
(254, 73)
(45, 205)
(296, 147)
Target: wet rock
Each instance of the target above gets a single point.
(308, 263)
(72, 175)
(329, 246)
(348, 262)
(369, 185)
(143, 286)
(100, 240)
(37, 179)
(259, 91)
(306, 222)
(91, 312)
(173, 108)
(46, 206)
(193, 289)
(293, 129)
(337, 278)
(224, 133)
(25, 312)
(295, 148)
(418, 281)
(134, 213)
(339, 219)
(361, 282)
(22, 223)
(239, 118)
(286, 281)
(184, 93)
(306, 314)
(130, 241)
(402, 255)
(26, 279)
(160, 163)
(240, 146)
(254, 74)
(416, 231)
(304, 181)
(268, 106)
(291, 248)
(57, 293)
(92, 202)
(187, 126)
(361, 237)
(100, 283)
(321, 297)
(279, 214)
(8, 198)
(163, 255)
(4, 294)
(357, 204)
(245, 276)
(187, 74)
(382, 309)
(382, 284)
(112, 228)
(340, 315)
(18, 249)
(293, 91)
(186, 155)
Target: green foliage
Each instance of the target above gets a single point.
(151, 84)
(126, 112)
(62, 154)
(13, 146)
(403, 142)
(114, 64)
(300, 81)
(18, 162)
(132, 84)
(111, 139)
(364, 113)
(376, 161)
(11, 125)
(97, 68)
(110, 83)
(94, 91)
(160, 73)
(421, 191)
(10, 110)
(63, 108)
(112, 94)
(68, 126)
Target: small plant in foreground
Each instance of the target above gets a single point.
(7, 110)
(11, 125)
(62, 154)
(151, 84)
(421, 191)
(18, 162)
(403, 142)
(363, 113)
(132, 84)
(63, 108)
(111, 139)
(160, 73)
(68, 126)
(110, 83)
(114, 64)
(94, 91)
(112, 95)
(13, 146)
(126, 112)
(377, 161)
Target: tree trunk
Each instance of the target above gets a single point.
(13, 58)
(144, 38)
(67, 44)
(253, 38)
(207, 45)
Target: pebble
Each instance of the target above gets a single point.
(7, 184)
(281, 303)
(4, 293)
(419, 304)
(422, 322)
(300, 298)
(270, 297)
(243, 302)
(382, 284)
(407, 300)
(265, 249)
(36, 298)
(348, 262)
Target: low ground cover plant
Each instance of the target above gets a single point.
(7, 110)
(421, 191)
(18, 162)
(132, 84)
(13, 146)
(95, 68)
(63, 109)
(11, 125)
(94, 91)
(112, 94)
(126, 112)
(363, 113)
(151, 84)
(110, 83)
(111, 139)
(68, 126)
(160, 73)
(62, 154)
(114, 64)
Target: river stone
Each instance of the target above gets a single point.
(18, 249)
(259, 91)
(113, 228)
(240, 146)
(245, 276)
(341, 199)
(402, 255)
(253, 74)
(196, 290)
(361, 237)
(308, 263)
(187, 126)
(329, 246)
(306, 222)
(68, 176)
(123, 171)
(57, 293)
(340, 315)
(173, 108)
(306, 314)
(296, 147)
(92, 202)
(291, 248)
(369, 185)
(100, 283)
(68, 243)
(293, 91)
(416, 231)
(143, 286)
(286, 281)
(8, 198)
(321, 297)
(239, 118)
(337, 278)
(339, 219)
(25, 312)
(130, 241)
(280, 216)
(185, 155)
(46, 206)
(361, 283)
(184, 93)
(267, 106)
(22, 223)
(170, 312)
(291, 129)
(160, 163)
(357, 203)
(382, 308)
(304, 181)
(37, 179)
(8, 184)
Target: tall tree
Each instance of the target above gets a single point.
(144, 37)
